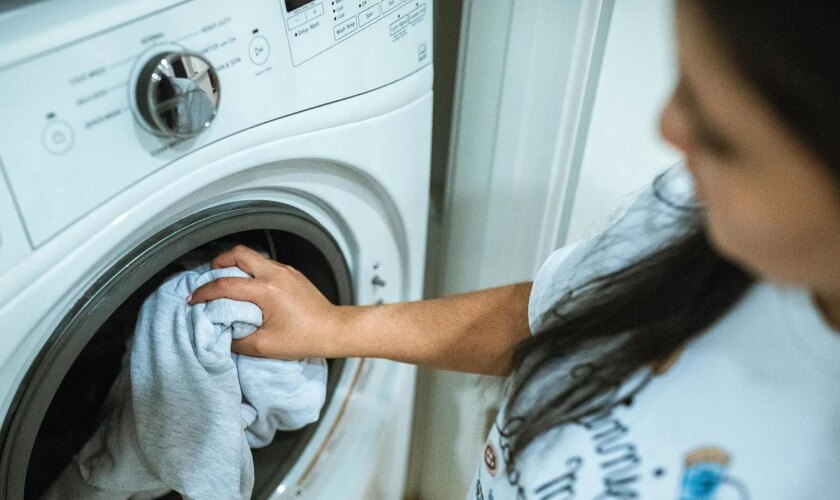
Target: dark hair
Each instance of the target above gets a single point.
(614, 328)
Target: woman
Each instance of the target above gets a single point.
(699, 362)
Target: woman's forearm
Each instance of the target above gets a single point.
(473, 332)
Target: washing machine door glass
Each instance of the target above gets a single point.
(57, 407)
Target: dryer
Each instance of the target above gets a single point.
(139, 137)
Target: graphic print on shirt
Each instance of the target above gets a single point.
(705, 474)
(615, 457)
(479, 491)
(559, 487)
(490, 460)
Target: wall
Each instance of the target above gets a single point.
(623, 150)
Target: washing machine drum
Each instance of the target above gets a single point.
(57, 407)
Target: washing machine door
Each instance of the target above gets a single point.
(57, 407)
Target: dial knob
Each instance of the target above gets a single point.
(178, 94)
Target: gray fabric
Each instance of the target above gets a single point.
(194, 108)
(185, 410)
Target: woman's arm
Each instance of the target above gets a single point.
(473, 332)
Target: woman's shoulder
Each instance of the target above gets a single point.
(651, 219)
(553, 280)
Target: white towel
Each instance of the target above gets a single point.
(184, 411)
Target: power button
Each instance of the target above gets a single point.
(57, 137)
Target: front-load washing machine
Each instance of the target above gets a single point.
(141, 137)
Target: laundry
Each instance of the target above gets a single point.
(185, 411)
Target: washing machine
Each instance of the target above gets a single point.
(141, 137)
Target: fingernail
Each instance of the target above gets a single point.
(189, 299)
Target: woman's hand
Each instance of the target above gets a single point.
(474, 332)
(298, 321)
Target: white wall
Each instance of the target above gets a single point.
(623, 150)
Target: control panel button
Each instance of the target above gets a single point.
(399, 24)
(345, 28)
(258, 50)
(369, 15)
(387, 5)
(314, 12)
(297, 20)
(57, 137)
(417, 13)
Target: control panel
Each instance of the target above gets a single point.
(317, 25)
(90, 117)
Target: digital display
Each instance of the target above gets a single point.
(296, 4)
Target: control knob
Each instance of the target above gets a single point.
(178, 94)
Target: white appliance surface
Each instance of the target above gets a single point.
(328, 112)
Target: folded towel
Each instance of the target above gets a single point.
(184, 412)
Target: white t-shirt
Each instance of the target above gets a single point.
(750, 410)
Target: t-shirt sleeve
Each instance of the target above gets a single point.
(574, 265)
(552, 281)
(653, 219)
